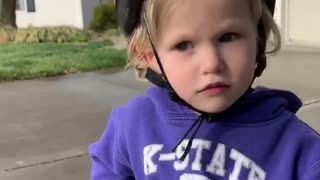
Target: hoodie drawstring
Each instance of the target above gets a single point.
(199, 121)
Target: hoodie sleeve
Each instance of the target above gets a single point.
(107, 161)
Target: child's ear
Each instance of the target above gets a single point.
(150, 61)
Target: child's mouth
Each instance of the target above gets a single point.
(215, 89)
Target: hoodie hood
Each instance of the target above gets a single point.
(261, 105)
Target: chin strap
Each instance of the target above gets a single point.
(156, 79)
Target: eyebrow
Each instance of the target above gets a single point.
(228, 24)
(234, 22)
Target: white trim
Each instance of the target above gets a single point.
(80, 16)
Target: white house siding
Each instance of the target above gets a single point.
(52, 13)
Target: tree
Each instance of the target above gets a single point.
(8, 13)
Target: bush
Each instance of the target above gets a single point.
(104, 18)
(113, 32)
(7, 33)
(50, 34)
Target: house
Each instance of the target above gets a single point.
(37, 13)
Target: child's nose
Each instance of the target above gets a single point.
(211, 61)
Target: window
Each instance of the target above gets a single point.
(21, 5)
(30, 6)
(25, 5)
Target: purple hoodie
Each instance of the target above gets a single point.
(265, 141)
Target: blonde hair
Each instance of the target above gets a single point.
(155, 10)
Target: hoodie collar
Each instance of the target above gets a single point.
(261, 105)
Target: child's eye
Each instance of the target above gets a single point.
(228, 37)
(183, 46)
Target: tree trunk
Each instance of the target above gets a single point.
(8, 12)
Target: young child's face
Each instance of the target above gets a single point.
(208, 51)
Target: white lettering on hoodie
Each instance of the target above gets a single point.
(216, 165)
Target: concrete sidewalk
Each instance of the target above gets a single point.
(46, 125)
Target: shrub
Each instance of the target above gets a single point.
(7, 33)
(50, 34)
(104, 18)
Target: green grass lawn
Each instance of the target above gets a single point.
(29, 61)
